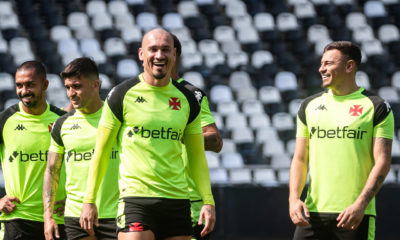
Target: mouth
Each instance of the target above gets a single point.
(159, 64)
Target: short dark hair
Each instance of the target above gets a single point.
(40, 70)
(83, 66)
(347, 48)
(177, 45)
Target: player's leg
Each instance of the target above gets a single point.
(317, 229)
(107, 229)
(145, 235)
(23, 229)
(366, 230)
(173, 219)
(74, 231)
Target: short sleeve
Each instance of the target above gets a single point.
(206, 116)
(55, 147)
(195, 126)
(108, 118)
(385, 129)
(302, 129)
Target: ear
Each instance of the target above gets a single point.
(140, 53)
(350, 66)
(97, 83)
(45, 84)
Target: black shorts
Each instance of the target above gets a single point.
(324, 226)
(197, 233)
(21, 229)
(164, 217)
(107, 229)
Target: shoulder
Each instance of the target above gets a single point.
(381, 107)
(4, 116)
(57, 110)
(197, 92)
(56, 129)
(193, 102)
(305, 103)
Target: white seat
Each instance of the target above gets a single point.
(183, 34)
(105, 82)
(239, 80)
(232, 160)
(6, 7)
(228, 146)
(59, 32)
(208, 46)
(22, 57)
(236, 59)
(187, 9)
(219, 176)
(320, 46)
(8, 21)
(283, 121)
(247, 35)
(218, 120)
(362, 34)
(98, 56)
(225, 108)
(235, 8)
(231, 47)
(390, 177)
(189, 47)
(269, 94)
(190, 60)
(146, 21)
(258, 121)
(294, 106)
(396, 148)
(76, 20)
(283, 176)
(224, 33)
(68, 45)
(135, 2)
(242, 21)
(388, 33)
(204, 2)
(19, 45)
(252, 107)
(264, 21)
(286, 81)
(396, 80)
(213, 59)
(102, 21)
(6, 82)
(3, 46)
(221, 93)
(286, 21)
(11, 101)
(242, 135)
(89, 45)
(124, 20)
(172, 21)
(293, 3)
(127, 68)
(373, 47)
(273, 147)
(260, 58)
(131, 34)
(114, 46)
(235, 120)
(84, 32)
(374, 9)
(389, 93)
(265, 176)
(290, 146)
(212, 160)
(117, 7)
(55, 81)
(94, 7)
(70, 56)
(355, 20)
(246, 93)
(280, 161)
(362, 79)
(316, 32)
(240, 176)
(266, 134)
(304, 9)
(194, 78)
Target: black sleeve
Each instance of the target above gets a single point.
(57, 111)
(4, 116)
(193, 103)
(302, 110)
(197, 92)
(116, 97)
(381, 107)
(56, 129)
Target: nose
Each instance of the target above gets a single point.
(25, 90)
(71, 93)
(159, 54)
(321, 68)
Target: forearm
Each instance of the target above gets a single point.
(104, 142)
(212, 138)
(50, 182)
(198, 166)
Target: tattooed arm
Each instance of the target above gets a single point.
(351, 217)
(50, 186)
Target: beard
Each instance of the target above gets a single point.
(33, 102)
(159, 76)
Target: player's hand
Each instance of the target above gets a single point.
(50, 228)
(351, 217)
(207, 214)
(299, 213)
(7, 205)
(89, 217)
(60, 207)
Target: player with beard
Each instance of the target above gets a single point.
(24, 141)
(149, 116)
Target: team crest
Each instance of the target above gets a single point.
(50, 126)
(175, 103)
(356, 110)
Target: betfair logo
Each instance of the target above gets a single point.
(20, 127)
(25, 157)
(140, 99)
(163, 133)
(75, 127)
(86, 156)
(339, 132)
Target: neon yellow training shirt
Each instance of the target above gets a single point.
(340, 131)
(152, 122)
(24, 144)
(74, 135)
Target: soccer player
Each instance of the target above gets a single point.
(24, 141)
(344, 139)
(73, 142)
(212, 142)
(150, 116)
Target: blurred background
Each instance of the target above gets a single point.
(256, 60)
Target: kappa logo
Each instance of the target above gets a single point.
(388, 107)
(136, 227)
(321, 107)
(75, 127)
(356, 110)
(140, 99)
(198, 95)
(20, 127)
(175, 103)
